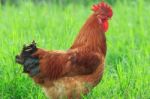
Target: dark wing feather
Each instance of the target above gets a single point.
(85, 63)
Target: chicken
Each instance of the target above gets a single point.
(71, 73)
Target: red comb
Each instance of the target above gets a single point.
(102, 6)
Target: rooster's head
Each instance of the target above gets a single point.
(103, 12)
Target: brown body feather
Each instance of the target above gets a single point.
(82, 64)
(68, 74)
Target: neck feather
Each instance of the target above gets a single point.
(91, 36)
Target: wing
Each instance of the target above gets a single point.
(85, 62)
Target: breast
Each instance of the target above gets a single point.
(67, 87)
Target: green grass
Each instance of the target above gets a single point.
(127, 69)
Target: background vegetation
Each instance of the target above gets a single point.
(55, 25)
(61, 2)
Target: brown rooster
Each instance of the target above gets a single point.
(71, 73)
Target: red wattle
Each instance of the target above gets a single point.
(105, 26)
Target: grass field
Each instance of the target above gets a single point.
(127, 69)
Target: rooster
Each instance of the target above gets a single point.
(71, 73)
